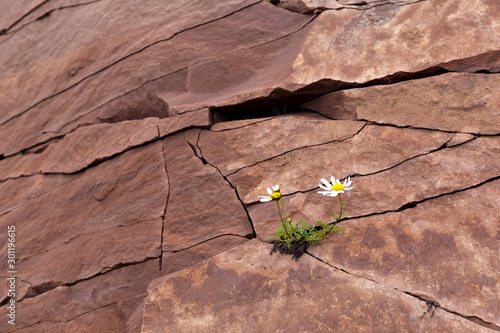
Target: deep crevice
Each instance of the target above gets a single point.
(166, 203)
(230, 184)
(279, 98)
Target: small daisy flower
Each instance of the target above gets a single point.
(273, 195)
(336, 187)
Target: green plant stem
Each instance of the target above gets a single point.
(341, 204)
(281, 216)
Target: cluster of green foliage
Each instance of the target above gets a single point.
(303, 232)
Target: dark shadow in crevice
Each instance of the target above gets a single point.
(280, 99)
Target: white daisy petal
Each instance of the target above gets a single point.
(269, 191)
(327, 184)
(276, 188)
(324, 187)
(265, 199)
(347, 182)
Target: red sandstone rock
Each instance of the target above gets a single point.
(308, 6)
(222, 294)
(16, 11)
(373, 149)
(445, 249)
(427, 176)
(270, 138)
(176, 261)
(162, 67)
(390, 40)
(201, 204)
(95, 43)
(96, 216)
(66, 303)
(449, 102)
(77, 85)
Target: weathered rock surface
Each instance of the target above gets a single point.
(91, 222)
(124, 183)
(431, 175)
(66, 303)
(201, 204)
(449, 102)
(373, 149)
(17, 10)
(270, 138)
(219, 295)
(90, 145)
(445, 250)
(162, 65)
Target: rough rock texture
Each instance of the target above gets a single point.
(449, 102)
(136, 137)
(405, 250)
(219, 295)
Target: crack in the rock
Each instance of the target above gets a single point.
(59, 322)
(5, 213)
(6, 30)
(340, 269)
(44, 287)
(366, 6)
(414, 204)
(376, 123)
(431, 303)
(166, 203)
(126, 57)
(10, 30)
(227, 180)
(206, 241)
(94, 163)
(295, 149)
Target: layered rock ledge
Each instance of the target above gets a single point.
(136, 137)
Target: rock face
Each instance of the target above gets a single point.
(137, 136)
(219, 295)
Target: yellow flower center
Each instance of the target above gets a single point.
(337, 187)
(276, 195)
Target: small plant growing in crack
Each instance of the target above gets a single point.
(335, 189)
(294, 238)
